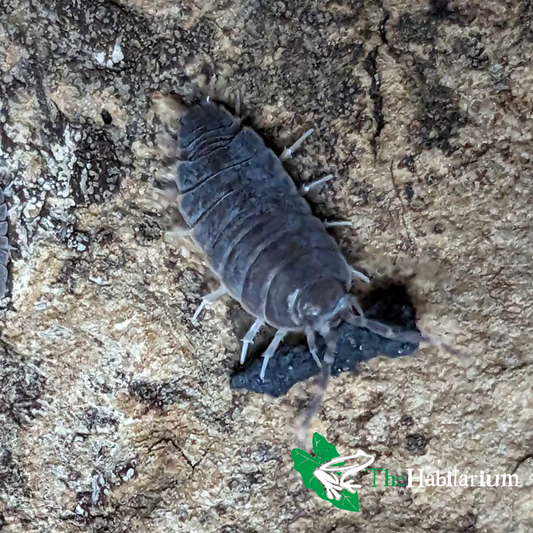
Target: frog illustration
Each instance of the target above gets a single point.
(334, 484)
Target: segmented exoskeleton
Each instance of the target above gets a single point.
(4, 246)
(269, 251)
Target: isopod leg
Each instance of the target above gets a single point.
(337, 223)
(167, 192)
(249, 338)
(403, 336)
(357, 274)
(237, 104)
(287, 153)
(269, 352)
(312, 347)
(207, 299)
(306, 187)
(180, 232)
(322, 382)
(357, 306)
(3, 281)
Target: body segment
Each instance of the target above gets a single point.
(4, 246)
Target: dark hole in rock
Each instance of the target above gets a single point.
(289, 365)
(106, 117)
(416, 443)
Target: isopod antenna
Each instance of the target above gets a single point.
(322, 382)
(383, 330)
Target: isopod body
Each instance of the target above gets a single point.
(259, 234)
(263, 242)
(261, 238)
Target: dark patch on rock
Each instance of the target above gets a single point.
(157, 394)
(104, 237)
(409, 191)
(407, 421)
(526, 20)
(87, 501)
(416, 443)
(375, 93)
(412, 29)
(289, 365)
(391, 303)
(423, 27)
(126, 470)
(148, 231)
(236, 529)
(441, 10)
(307, 62)
(72, 272)
(466, 523)
(471, 50)
(440, 117)
(13, 481)
(96, 172)
(21, 386)
(408, 162)
(106, 117)
(67, 270)
(93, 419)
(75, 240)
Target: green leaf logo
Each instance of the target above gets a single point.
(328, 477)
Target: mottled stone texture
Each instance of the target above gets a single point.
(116, 413)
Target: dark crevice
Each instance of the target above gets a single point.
(382, 28)
(525, 20)
(521, 462)
(375, 93)
(411, 244)
(170, 440)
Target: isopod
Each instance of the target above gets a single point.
(4, 246)
(270, 253)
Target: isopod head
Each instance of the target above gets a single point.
(319, 304)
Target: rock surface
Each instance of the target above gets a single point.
(116, 412)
